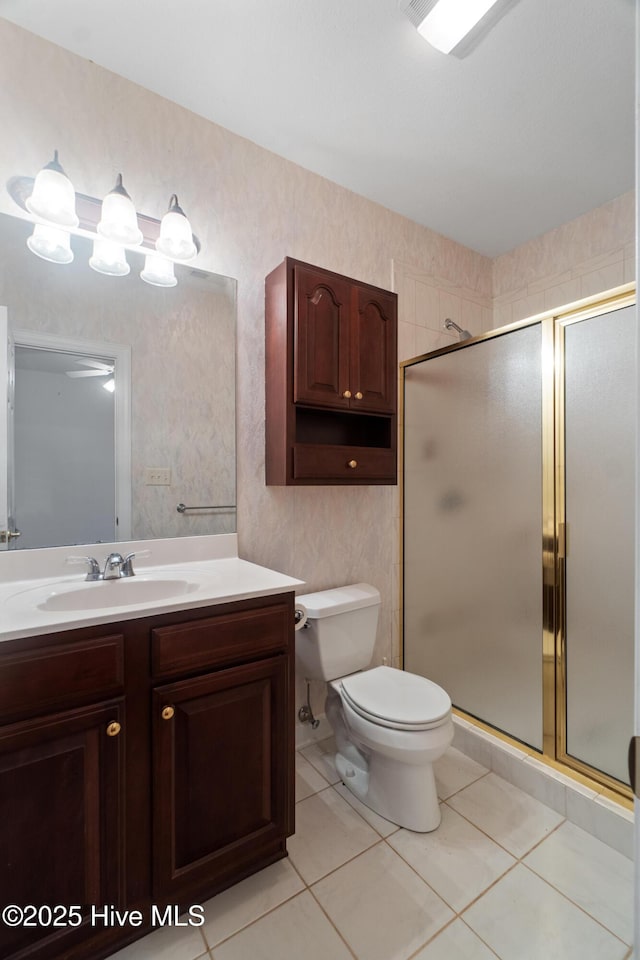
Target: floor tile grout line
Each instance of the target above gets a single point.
(546, 837)
(342, 937)
(351, 807)
(521, 859)
(382, 836)
(426, 882)
(582, 909)
(329, 786)
(255, 920)
(501, 845)
(470, 784)
(457, 912)
(518, 859)
(481, 939)
(493, 883)
(434, 937)
(315, 769)
(384, 841)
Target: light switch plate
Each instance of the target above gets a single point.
(158, 476)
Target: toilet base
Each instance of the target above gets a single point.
(403, 793)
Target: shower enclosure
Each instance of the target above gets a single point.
(518, 542)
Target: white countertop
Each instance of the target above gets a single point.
(204, 582)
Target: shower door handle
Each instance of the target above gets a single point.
(634, 763)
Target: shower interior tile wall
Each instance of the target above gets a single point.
(591, 254)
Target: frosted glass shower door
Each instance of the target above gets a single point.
(473, 528)
(599, 447)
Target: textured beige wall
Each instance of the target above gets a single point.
(251, 209)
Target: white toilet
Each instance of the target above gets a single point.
(389, 725)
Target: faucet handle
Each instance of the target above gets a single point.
(94, 568)
(127, 564)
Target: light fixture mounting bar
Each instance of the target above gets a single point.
(89, 212)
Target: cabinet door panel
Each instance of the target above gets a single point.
(374, 353)
(61, 835)
(219, 773)
(321, 338)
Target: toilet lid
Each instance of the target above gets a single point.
(396, 696)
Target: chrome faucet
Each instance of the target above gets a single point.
(115, 566)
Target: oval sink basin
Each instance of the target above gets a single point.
(112, 593)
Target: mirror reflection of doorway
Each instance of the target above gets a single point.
(64, 448)
(70, 452)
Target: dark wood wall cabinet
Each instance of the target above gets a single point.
(148, 762)
(331, 378)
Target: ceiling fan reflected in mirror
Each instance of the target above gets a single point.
(97, 368)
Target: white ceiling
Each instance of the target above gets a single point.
(531, 128)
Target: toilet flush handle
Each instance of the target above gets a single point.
(301, 618)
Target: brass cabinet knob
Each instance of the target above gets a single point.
(113, 729)
(358, 395)
(347, 394)
(352, 464)
(168, 713)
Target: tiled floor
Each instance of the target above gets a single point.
(504, 876)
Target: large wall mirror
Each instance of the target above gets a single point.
(121, 400)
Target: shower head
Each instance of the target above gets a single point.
(450, 324)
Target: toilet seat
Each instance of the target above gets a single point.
(396, 699)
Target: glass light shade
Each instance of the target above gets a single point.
(176, 237)
(53, 198)
(109, 385)
(119, 221)
(50, 243)
(158, 271)
(109, 258)
(449, 21)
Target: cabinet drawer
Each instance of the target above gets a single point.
(61, 674)
(218, 641)
(319, 461)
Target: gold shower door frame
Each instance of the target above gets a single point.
(554, 674)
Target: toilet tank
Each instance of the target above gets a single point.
(340, 634)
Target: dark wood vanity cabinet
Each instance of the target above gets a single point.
(62, 826)
(331, 378)
(215, 812)
(148, 762)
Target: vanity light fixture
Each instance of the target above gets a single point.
(119, 221)
(109, 258)
(176, 237)
(445, 23)
(158, 271)
(51, 243)
(53, 198)
(113, 224)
